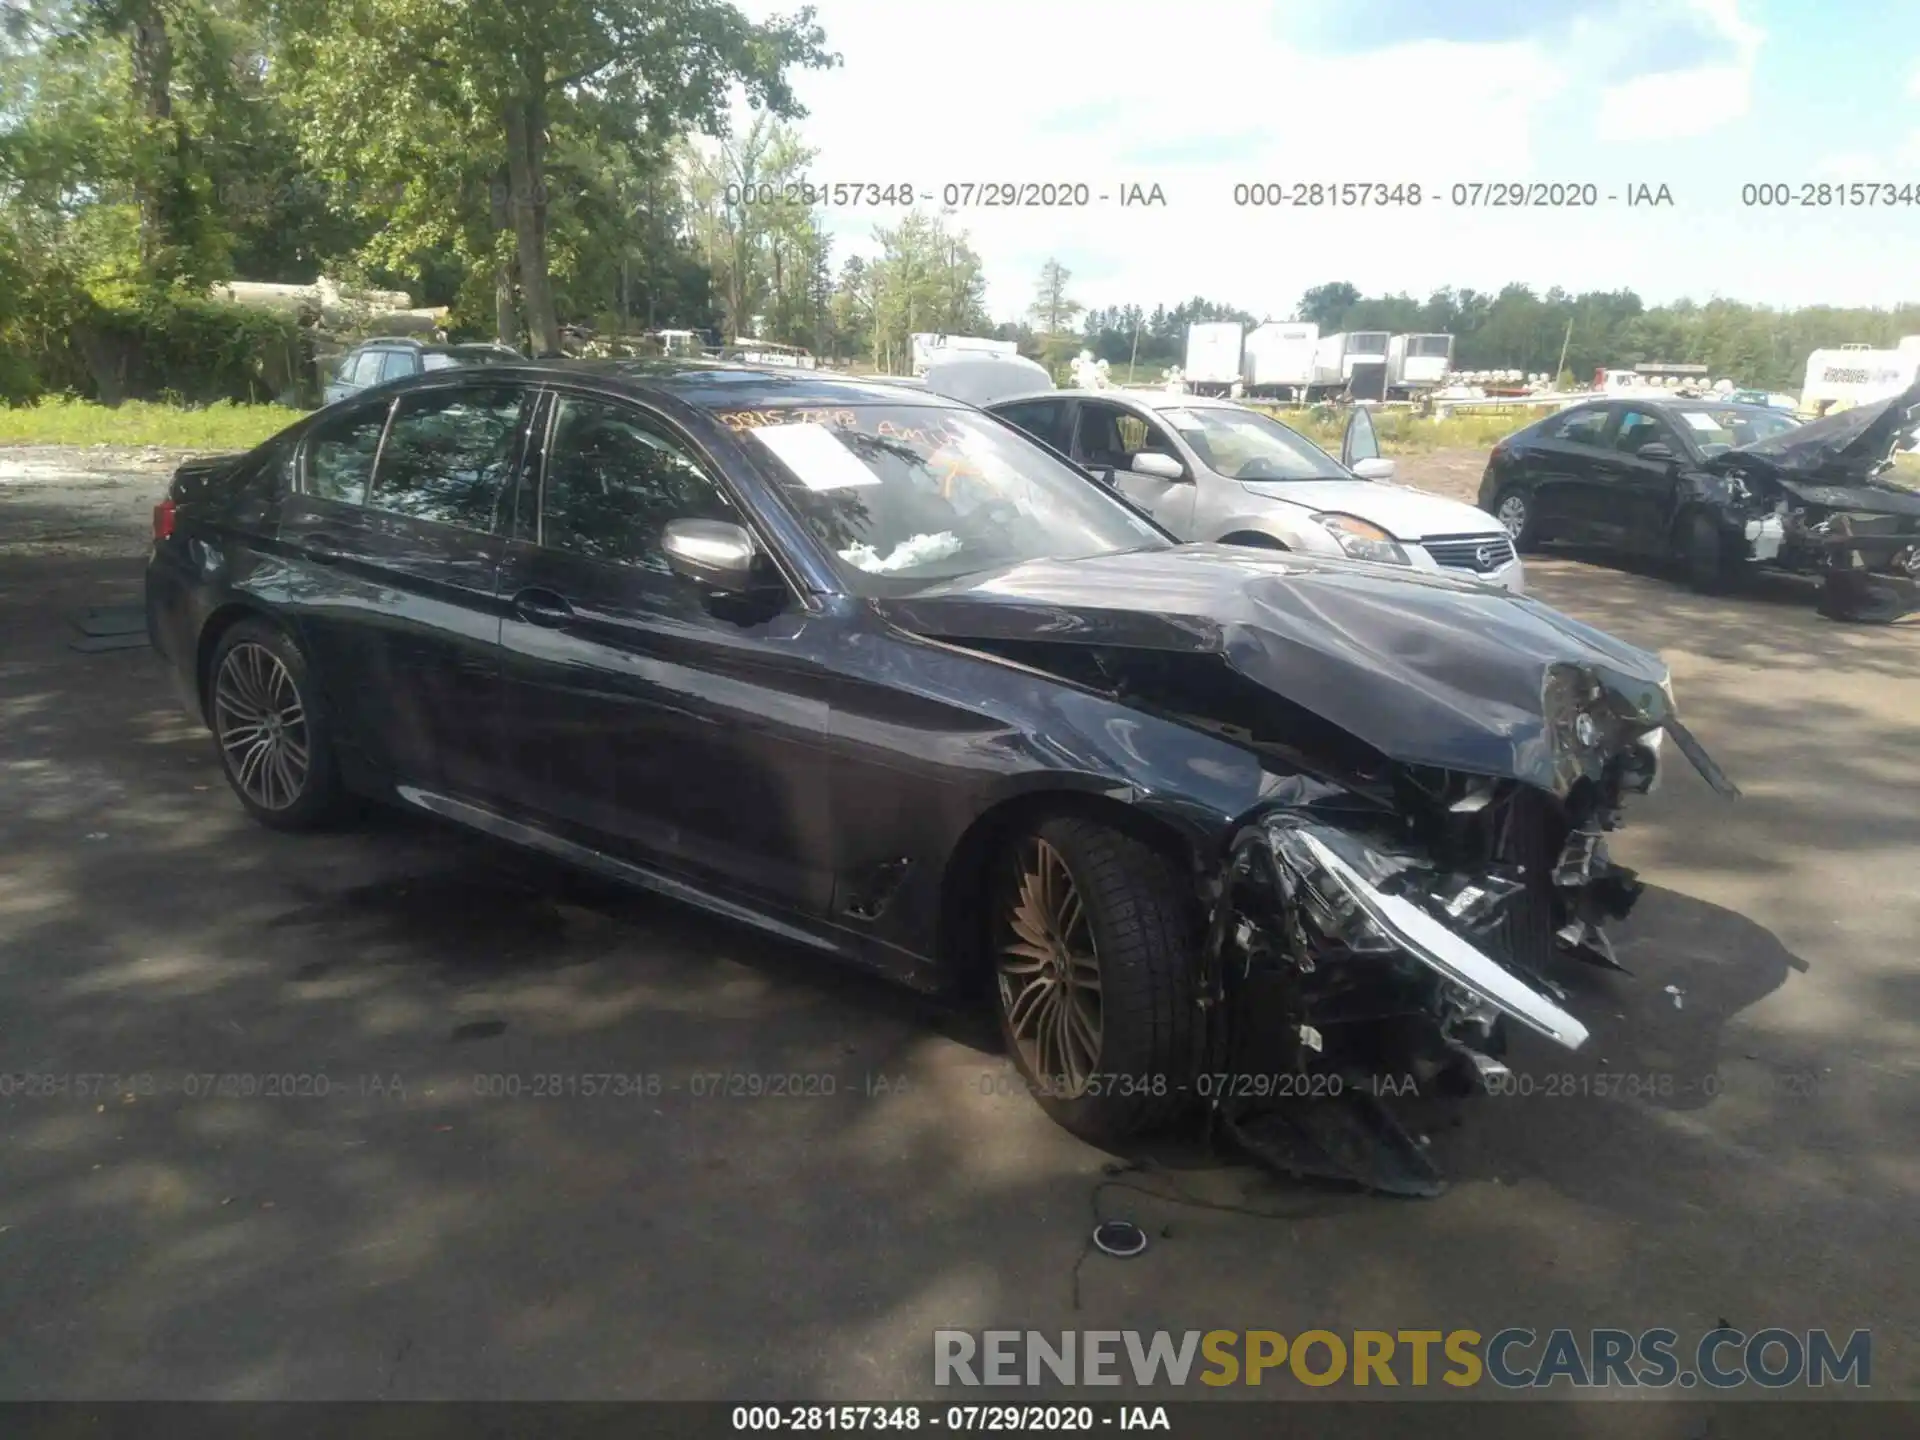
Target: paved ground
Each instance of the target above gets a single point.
(408, 1236)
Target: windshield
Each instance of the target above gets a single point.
(1717, 431)
(905, 495)
(1246, 445)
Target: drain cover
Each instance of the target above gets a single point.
(1120, 1237)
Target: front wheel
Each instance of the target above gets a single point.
(272, 733)
(1704, 554)
(1095, 948)
(1514, 511)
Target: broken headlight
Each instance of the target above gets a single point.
(1374, 902)
(1362, 539)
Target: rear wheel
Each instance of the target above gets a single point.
(274, 742)
(1095, 944)
(1514, 511)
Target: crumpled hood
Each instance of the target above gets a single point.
(1403, 513)
(1842, 450)
(1424, 668)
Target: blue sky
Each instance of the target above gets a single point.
(1700, 95)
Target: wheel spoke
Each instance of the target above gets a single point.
(1021, 1009)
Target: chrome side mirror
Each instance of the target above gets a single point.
(1377, 468)
(1161, 467)
(715, 554)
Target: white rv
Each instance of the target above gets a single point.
(1351, 364)
(1278, 362)
(1858, 374)
(1417, 363)
(928, 347)
(1213, 357)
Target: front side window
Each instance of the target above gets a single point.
(1110, 436)
(340, 454)
(450, 454)
(366, 367)
(904, 495)
(399, 365)
(1246, 445)
(614, 482)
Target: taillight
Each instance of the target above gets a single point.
(1499, 450)
(163, 520)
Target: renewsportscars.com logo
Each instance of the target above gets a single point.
(1513, 1359)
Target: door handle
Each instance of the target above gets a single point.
(542, 607)
(322, 549)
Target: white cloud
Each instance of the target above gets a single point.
(1680, 104)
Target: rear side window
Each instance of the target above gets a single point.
(1045, 420)
(449, 454)
(1582, 427)
(340, 454)
(399, 365)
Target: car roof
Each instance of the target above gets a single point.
(1151, 399)
(720, 385)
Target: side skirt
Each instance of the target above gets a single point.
(895, 964)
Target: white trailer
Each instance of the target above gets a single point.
(1350, 364)
(1859, 374)
(1278, 362)
(1417, 364)
(1214, 352)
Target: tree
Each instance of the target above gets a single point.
(1327, 305)
(1053, 311)
(496, 82)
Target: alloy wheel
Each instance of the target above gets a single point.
(1512, 515)
(262, 726)
(1049, 975)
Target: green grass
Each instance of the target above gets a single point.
(1402, 433)
(214, 428)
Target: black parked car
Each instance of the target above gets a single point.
(1719, 487)
(874, 672)
(377, 361)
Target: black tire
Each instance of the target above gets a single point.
(1143, 925)
(244, 653)
(1703, 555)
(1526, 535)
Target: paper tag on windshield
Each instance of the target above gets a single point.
(1182, 419)
(814, 454)
(1699, 421)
